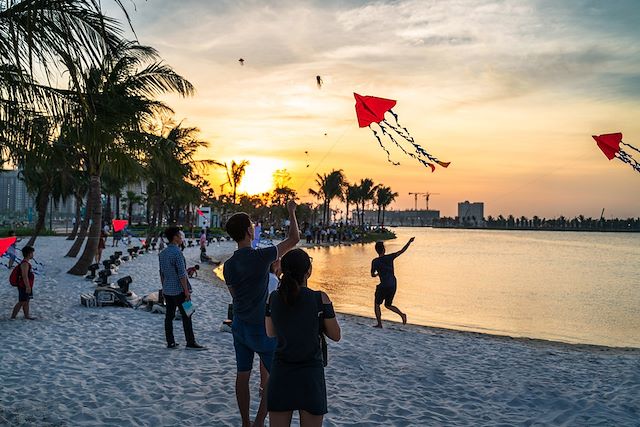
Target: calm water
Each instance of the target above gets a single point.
(571, 287)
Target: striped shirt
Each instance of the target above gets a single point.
(172, 269)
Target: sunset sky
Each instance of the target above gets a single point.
(509, 91)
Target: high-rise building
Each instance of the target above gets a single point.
(471, 213)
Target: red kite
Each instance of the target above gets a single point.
(119, 224)
(5, 243)
(371, 109)
(610, 144)
(200, 212)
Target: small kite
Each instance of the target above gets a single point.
(119, 224)
(319, 81)
(200, 212)
(371, 109)
(241, 61)
(610, 144)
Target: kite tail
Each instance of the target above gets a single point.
(383, 147)
(418, 158)
(404, 133)
(629, 160)
(630, 146)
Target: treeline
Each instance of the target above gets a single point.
(579, 223)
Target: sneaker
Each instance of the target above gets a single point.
(173, 345)
(195, 346)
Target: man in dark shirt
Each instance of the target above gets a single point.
(247, 276)
(382, 267)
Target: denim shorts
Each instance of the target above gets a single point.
(249, 338)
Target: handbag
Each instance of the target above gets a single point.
(321, 337)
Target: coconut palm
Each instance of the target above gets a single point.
(330, 187)
(131, 199)
(235, 173)
(113, 105)
(384, 197)
(366, 191)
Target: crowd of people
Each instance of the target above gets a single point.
(275, 314)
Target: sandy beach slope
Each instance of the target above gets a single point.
(109, 366)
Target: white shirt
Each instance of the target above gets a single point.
(273, 282)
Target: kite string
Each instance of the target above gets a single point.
(299, 187)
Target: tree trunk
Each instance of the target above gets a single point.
(74, 232)
(130, 211)
(42, 202)
(379, 209)
(82, 233)
(118, 204)
(81, 267)
(347, 218)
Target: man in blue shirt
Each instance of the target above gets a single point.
(175, 288)
(247, 276)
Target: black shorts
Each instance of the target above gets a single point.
(23, 295)
(385, 294)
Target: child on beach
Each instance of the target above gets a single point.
(297, 315)
(11, 251)
(382, 267)
(26, 280)
(246, 274)
(193, 271)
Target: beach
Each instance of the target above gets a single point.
(110, 365)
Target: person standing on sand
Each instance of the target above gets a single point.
(175, 288)
(246, 274)
(102, 243)
(297, 315)
(26, 279)
(11, 251)
(382, 267)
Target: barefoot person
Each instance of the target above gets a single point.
(382, 267)
(297, 380)
(26, 279)
(247, 276)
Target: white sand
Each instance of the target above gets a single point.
(110, 366)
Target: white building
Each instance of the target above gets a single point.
(471, 213)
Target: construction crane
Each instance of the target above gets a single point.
(415, 199)
(426, 198)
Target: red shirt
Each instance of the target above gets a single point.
(31, 275)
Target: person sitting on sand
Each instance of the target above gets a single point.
(193, 271)
(382, 267)
(293, 311)
(26, 280)
(246, 274)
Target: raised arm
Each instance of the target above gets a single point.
(331, 326)
(405, 247)
(294, 233)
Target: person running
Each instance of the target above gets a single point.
(297, 379)
(26, 279)
(382, 267)
(246, 274)
(175, 289)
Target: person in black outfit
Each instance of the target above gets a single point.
(382, 267)
(295, 315)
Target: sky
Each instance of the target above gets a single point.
(509, 91)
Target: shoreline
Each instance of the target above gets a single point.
(215, 277)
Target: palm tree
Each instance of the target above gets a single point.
(330, 186)
(114, 103)
(235, 173)
(131, 199)
(384, 197)
(365, 193)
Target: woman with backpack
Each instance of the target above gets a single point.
(24, 279)
(298, 316)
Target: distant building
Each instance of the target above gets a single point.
(471, 213)
(14, 198)
(419, 218)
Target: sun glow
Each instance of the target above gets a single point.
(258, 177)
